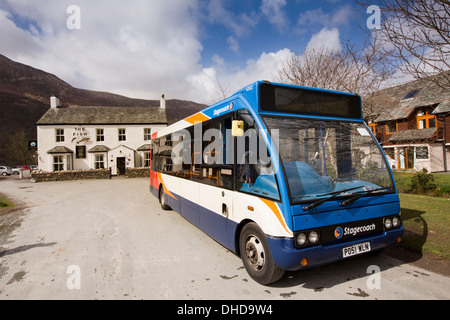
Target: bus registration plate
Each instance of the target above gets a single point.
(356, 249)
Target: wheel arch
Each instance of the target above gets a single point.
(237, 236)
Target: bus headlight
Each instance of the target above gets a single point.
(388, 223)
(308, 238)
(313, 237)
(396, 222)
(301, 239)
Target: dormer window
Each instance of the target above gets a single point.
(391, 127)
(425, 119)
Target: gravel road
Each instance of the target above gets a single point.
(109, 239)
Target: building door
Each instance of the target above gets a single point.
(121, 166)
(406, 158)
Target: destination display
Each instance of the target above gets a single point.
(305, 101)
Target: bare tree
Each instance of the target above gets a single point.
(221, 91)
(417, 34)
(18, 151)
(351, 69)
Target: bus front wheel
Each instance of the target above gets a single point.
(255, 254)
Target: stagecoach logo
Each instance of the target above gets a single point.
(229, 107)
(338, 232)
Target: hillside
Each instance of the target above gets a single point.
(25, 96)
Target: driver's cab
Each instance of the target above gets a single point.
(254, 171)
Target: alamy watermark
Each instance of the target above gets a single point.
(214, 146)
(73, 22)
(374, 21)
(374, 280)
(74, 280)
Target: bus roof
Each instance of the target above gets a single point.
(348, 106)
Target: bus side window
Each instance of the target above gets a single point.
(254, 173)
(214, 168)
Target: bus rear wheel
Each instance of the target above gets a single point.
(255, 254)
(162, 199)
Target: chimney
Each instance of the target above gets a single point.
(54, 102)
(163, 103)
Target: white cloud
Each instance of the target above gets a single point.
(143, 50)
(240, 24)
(148, 49)
(264, 68)
(329, 38)
(233, 44)
(273, 10)
(318, 17)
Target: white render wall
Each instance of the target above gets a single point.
(73, 136)
(434, 163)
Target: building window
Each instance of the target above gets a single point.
(421, 152)
(146, 159)
(59, 135)
(58, 163)
(391, 127)
(122, 135)
(100, 135)
(425, 119)
(432, 123)
(390, 152)
(411, 94)
(147, 134)
(99, 161)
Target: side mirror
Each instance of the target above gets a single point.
(237, 128)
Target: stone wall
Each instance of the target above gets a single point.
(40, 176)
(137, 172)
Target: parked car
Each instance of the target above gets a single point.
(22, 167)
(5, 171)
(33, 167)
(16, 170)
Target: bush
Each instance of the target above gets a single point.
(422, 182)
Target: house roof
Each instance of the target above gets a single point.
(145, 147)
(99, 149)
(442, 107)
(411, 135)
(57, 150)
(103, 115)
(392, 105)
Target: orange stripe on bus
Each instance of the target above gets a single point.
(166, 191)
(273, 206)
(198, 117)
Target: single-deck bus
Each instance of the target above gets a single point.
(287, 177)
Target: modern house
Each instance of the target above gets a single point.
(412, 123)
(83, 138)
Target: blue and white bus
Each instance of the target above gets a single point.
(287, 177)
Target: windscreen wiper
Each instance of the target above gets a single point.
(360, 195)
(333, 195)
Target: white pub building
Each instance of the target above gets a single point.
(84, 138)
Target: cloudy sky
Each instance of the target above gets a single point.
(183, 48)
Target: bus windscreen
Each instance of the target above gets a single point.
(283, 99)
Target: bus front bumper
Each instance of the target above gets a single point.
(289, 258)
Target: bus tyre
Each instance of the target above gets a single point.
(255, 254)
(162, 199)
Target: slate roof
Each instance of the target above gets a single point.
(392, 106)
(59, 150)
(99, 149)
(103, 115)
(443, 107)
(145, 147)
(413, 135)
